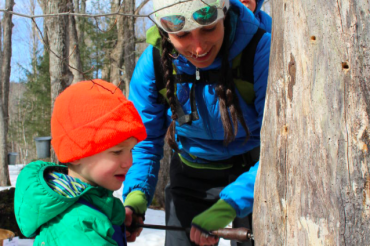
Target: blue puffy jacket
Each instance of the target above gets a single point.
(204, 137)
(264, 19)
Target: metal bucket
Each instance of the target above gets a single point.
(43, 147)
(12, 158)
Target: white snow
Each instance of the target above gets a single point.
(148, 237)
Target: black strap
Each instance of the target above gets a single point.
(158, 70)
(246, 66)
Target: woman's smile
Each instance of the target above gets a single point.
(200, 46)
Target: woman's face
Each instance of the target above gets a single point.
(200, 46)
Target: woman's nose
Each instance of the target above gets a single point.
(199, 45)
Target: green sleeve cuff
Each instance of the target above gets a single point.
(216, 217)
(137, 200)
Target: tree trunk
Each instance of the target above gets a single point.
(117, 52)
(74, 50)
(34, 38)
(56, 32)
(4, 93)
(129, 43)
(313, 185)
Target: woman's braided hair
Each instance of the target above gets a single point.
(225, 90)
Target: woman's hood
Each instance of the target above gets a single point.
(259, 4)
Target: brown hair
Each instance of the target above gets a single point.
(225, 90)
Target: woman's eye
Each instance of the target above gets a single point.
(182, 34)
(209, 29)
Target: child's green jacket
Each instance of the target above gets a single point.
(58, 220)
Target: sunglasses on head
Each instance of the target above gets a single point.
(203, 17)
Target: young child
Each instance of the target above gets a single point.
(263, 18)
(94, 128)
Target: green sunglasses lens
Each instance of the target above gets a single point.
(173, 23)
(206, 15)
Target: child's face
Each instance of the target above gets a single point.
(106, 169)
(250, 4)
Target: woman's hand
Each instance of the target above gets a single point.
(130, 220)
(218, 216)
(201, 238)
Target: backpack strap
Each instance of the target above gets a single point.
(247, 59)
(243, 68)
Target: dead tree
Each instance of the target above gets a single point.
(56, 33)
(4, 92)
(74, 59)
(313, 185)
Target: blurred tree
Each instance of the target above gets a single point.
(4, 91)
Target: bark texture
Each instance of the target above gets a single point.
(4, 92)
(313, 185)
(129, 43)
(56, 28)
(74, 58)
(56, 32)
(117, 52)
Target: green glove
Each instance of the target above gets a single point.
(136, 200)
(216, 217)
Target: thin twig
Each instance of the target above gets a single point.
(70, 14)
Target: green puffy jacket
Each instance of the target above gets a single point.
(58, 220)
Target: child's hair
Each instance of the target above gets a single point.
(90, 117)
(225, 91)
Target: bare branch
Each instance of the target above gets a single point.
(142, 4)
(70, 14)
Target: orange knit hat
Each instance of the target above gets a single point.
(90, 117)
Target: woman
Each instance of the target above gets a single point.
(212, 124)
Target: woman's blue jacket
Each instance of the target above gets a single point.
(204, 137)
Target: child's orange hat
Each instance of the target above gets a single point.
(90, 117)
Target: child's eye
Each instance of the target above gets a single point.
(118, 152)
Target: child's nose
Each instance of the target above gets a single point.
(126, 161)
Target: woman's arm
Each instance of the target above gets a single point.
(143, 174)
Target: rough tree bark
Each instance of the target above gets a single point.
(129, 43)
(74, 59)
(313, 185)
(117, 52)
(56, 29)
(4, 93)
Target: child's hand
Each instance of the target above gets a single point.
(132, 219)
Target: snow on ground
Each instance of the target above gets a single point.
(148, 237)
